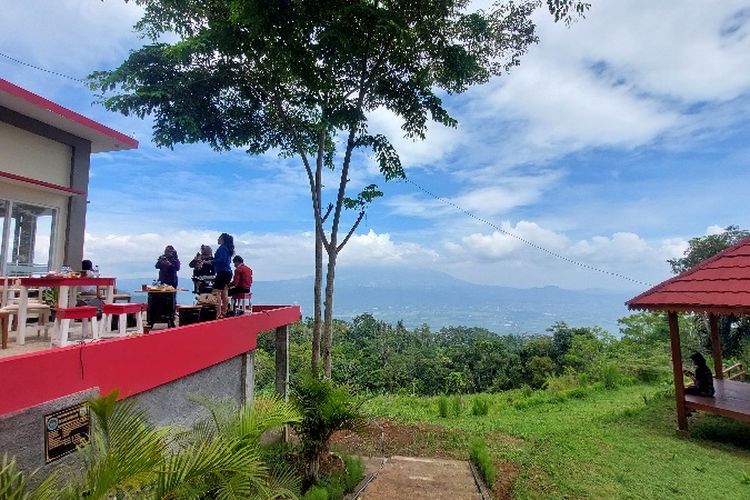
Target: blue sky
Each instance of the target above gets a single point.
(614, 142)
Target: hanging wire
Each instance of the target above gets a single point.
(527, 242)
(39, 68)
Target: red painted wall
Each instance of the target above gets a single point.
(134, 364)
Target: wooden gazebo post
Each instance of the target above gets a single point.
(679, 382)
(713, 324)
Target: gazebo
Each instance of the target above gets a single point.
(717, 286)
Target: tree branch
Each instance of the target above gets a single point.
(328, 212)
(351, 231)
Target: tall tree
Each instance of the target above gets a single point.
(300, 77)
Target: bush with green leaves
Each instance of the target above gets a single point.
(443, 406)
(480, 406)
(457, 405)
(326, 407)
(316, 493)
(479, 455)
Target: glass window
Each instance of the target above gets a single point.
(30, 235)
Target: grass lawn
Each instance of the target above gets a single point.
(617, 443)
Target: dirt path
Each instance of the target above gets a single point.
(422, 478)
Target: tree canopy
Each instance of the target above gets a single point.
(299, 77)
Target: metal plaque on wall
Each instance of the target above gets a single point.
(65, 430)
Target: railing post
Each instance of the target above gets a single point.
(282, 370)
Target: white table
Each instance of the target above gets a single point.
(66, 297)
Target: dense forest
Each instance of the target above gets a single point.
(373, 356)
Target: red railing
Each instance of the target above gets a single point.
(133, 364)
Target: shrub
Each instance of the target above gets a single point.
(564, 382)
(611, 376)
(480, 406)
(316, 493)
(326, 407)
(481, 458)
(443, 406)
(355, 472)
(457, 406)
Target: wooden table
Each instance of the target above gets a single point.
(66, 297)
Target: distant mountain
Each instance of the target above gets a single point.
(437, 299)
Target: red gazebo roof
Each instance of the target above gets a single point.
(719, 285)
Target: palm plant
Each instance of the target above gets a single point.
(14, 485)
(127, 457)
(326, 407)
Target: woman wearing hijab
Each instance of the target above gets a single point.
(168, 264)
(223, 269)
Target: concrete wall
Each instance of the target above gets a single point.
(31, 155)
(22, 433)
(170, 403)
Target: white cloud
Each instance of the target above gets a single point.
(628, 75)
(372, 248)
(272, 256)
(440, 140)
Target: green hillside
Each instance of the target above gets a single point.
(618, 443)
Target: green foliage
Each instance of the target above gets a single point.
(374, 356)
(480, 456)
(355, 472)
(127, 457)
(704, 247)
(608, 444)
(480, 406)
(610, 376)
(14, 484)
(443, 406)
(457, 406)
(316, 493)
(340, 481)
(326, 407)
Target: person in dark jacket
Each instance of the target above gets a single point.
(704, 380)
(223, 270)
(203, 262)
(168, 264)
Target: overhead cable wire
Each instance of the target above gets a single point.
(525, 241)
(39, 68)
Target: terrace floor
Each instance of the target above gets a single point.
(36, 343)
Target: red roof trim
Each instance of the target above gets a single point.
(37, 182)
(636, 302)
(15, 90)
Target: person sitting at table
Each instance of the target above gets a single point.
(87, 271)
(223, 269)
(242, 279)
(168, 264)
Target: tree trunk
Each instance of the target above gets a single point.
(317, 288)
(317, 206)
(327, 339)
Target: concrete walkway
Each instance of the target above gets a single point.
(422, 478)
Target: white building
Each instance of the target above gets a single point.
(44, 176)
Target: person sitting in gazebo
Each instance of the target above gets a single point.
(703, 378)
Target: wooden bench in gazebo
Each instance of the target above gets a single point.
(715, 287)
